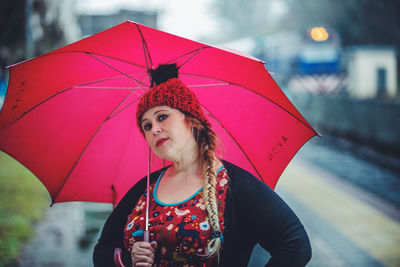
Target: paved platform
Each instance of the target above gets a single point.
(348, 226)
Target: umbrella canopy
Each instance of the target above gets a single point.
(69, 115)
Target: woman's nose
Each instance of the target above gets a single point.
(156, 129)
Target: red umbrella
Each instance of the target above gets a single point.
(69, 115)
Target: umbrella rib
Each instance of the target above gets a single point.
(108, 65)
(114, 88)
(276, 104)
(237, 143)
(35, 106)
(122, 109)
(207, 85)
(75, 51)
(192, 56)
(196, 51)
(87, 145)
(96, 81)
(128, 105)
(109, 88)
(110, 78)
(146, 51)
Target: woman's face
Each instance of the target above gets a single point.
(167, 133)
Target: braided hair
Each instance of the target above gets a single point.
(206, 140)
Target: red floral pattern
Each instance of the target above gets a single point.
(182, 230)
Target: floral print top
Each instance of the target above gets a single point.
(182, 230)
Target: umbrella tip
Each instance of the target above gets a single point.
(163, 73)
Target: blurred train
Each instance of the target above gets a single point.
(320, 52)
(309, 60)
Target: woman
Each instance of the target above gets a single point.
(203, 211)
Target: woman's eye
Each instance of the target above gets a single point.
(162, 117)
(147, 126)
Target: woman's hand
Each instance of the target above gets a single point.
(143, 253)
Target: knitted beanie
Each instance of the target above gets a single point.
(169, 91)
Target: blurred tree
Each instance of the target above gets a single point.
(30, 28)
(49, 33)
(12, 34)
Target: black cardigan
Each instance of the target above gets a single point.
(254, 213)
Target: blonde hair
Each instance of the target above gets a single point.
(206, 140)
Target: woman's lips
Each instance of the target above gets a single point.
(161, 141)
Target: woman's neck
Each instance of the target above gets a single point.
(187, 160)
(186, 166)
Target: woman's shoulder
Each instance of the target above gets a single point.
(239, 175)
(243, 183)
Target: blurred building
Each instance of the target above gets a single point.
(372, 71)
(94, 23)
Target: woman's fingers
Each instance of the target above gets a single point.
(146, 246)
(143, 264)
(140, 260)
(143, 261)
(154, 244)
(143, 253)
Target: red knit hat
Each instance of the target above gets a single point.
(172, 93)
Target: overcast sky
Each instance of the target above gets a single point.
(187, 18)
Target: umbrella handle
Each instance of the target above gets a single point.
(146, 236)
(117, 257)
(118, 251)
(146, 230)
